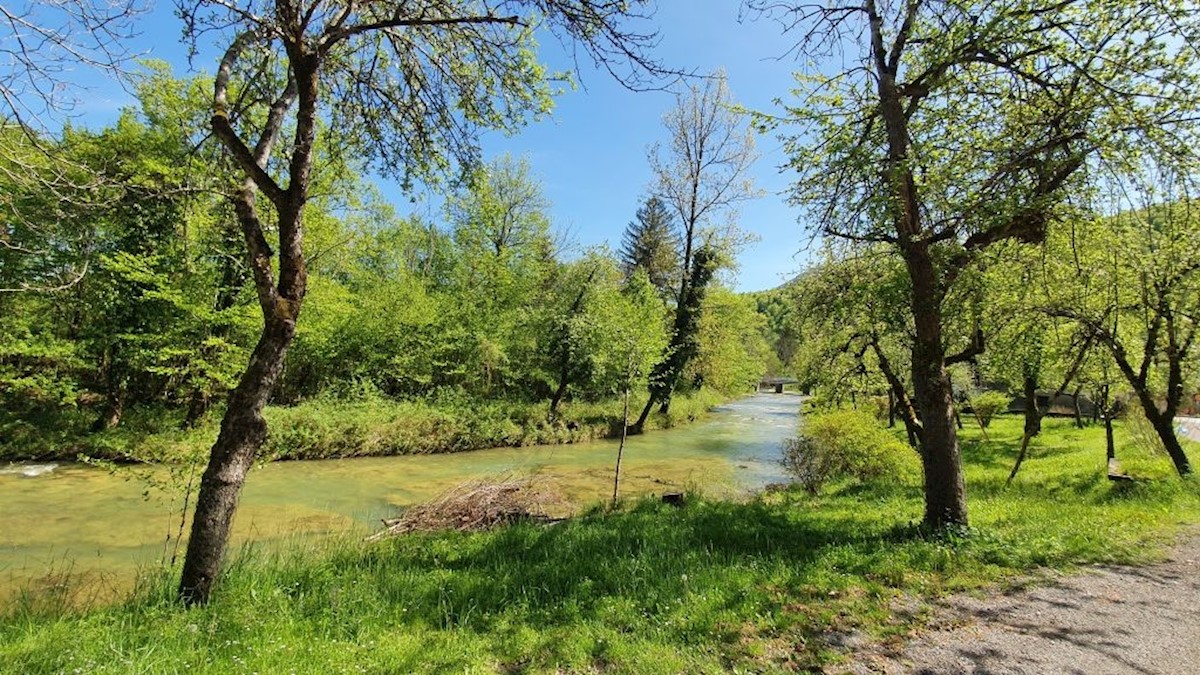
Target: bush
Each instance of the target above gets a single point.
(987, 405)
(846, 444)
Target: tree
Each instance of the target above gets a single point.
(957, 126)
(685, 336)
(701, 175)
(412, 84)
(1144, 307)
(851, 309)
(651, 243)
(732, 354)
(702, 172)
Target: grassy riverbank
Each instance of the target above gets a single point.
(326, 429)
(772, 584)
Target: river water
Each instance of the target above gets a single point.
(71, 521)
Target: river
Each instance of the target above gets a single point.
(70, 521)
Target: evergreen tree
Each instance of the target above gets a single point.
(651, 242)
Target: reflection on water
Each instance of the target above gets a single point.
(84, 519)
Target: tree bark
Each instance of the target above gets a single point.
(1164, 426)
(243, 432)
(1033, 425)
(945, 492)
(564, 346)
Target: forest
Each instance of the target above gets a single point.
(133, 313)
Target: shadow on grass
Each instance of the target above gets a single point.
(650, 560)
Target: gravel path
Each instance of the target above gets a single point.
(1106, 619)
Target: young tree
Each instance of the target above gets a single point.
(955, 126)
(412, 83)
(651, 243)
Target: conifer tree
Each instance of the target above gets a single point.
(651, 242)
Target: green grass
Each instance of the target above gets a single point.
(326, 429)
(757, 586)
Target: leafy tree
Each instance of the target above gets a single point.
(685, 338)
(958, 126)
(732, 355)
(412, 85)
(651, 243)
(1141, 301)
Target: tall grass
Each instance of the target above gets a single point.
(370, 426)
(763, 585)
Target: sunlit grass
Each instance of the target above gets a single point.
(763, 585)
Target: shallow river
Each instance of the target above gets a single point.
(70, 519)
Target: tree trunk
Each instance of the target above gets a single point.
(114, 393)
(114, 409)
(1110, 446)
(621, 447)
(1164, 426)
(1108, 412)
(198, 405)
(1078, 409)
(564, 345)
(891, 409)
(243, 432)
(945, 493)
(640, 424)
(897, 392)
(1033, 425)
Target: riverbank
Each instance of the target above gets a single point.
(783, 581)
(375, 427)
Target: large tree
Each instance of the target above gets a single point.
(406, 84)
(702, 175)
(954, 126)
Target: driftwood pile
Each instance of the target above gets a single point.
(477, 505)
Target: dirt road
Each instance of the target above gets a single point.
(1099, 620)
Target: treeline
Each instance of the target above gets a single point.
(129, 300)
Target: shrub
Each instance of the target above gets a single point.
(846, 444)
(987, 405)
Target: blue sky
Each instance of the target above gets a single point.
(591, 153)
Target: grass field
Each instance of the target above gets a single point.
(769, 584)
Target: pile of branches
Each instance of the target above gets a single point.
(477, 505)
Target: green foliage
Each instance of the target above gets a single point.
(651, 243)
(846, 444)
(733, 352)
(987, 405)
